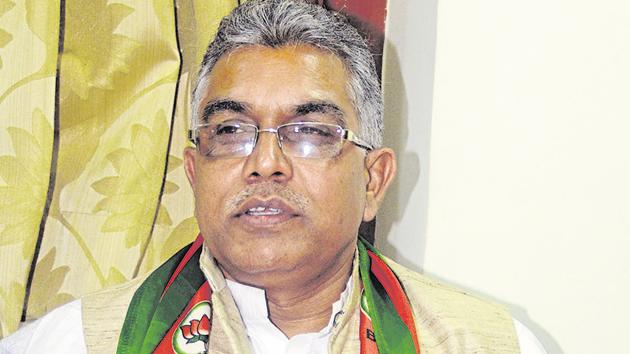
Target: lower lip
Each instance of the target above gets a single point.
(265, 220)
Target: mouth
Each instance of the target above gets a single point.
(263, 211)
(260, 213)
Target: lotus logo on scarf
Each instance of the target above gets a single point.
(197, 330)
(194, 331)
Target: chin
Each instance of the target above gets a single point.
(260, 255)
(266, 272)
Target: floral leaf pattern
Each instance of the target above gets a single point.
(36, 12)
(5, 37)
(5, 6)
(93, 127)
(25, 176)
(46, 295)
(83, 62)
(9, 297)
(115, 277)
(130, 196)
(26, 141)
(45, 27)
(180, 236)
(164, 14)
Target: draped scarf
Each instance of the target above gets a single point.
(171, 312)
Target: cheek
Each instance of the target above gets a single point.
(339, 193)
(206, 192)
(213, 185)
(206, 202)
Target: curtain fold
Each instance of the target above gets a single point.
(29, 33)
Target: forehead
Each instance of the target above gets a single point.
(271, 80)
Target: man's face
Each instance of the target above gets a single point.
(267, 213)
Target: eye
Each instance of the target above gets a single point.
(313, 130)
(228, 128)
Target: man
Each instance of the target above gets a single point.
(287, 126)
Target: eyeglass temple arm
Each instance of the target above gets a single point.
(350, 136)
(193, 135)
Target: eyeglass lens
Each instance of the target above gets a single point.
(310, 140)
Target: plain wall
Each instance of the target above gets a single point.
(511, 120)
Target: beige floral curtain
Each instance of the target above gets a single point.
(94, 107)
(93, 119)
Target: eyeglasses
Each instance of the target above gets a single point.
(300, 139)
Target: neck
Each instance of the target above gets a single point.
(304, 304)
(306, 308)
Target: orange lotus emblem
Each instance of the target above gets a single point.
(197, 330)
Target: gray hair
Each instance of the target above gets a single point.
(276, 23)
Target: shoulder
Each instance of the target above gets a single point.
(420, 287)
(59, 331)
(468, 312)
(93, 322)
(95, 319)
(116, 294)
(448, 317)
(103, 314)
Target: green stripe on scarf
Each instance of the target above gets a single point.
(148, 319)
(392, 335)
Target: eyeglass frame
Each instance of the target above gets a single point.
(347, 135)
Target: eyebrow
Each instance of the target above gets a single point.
(324, 107)
(222, 105)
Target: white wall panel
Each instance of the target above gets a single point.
(516, 163)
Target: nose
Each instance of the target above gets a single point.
(267, 162)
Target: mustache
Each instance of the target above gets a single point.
(267, 189)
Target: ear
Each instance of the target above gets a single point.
(381, 170)
(189, 165)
